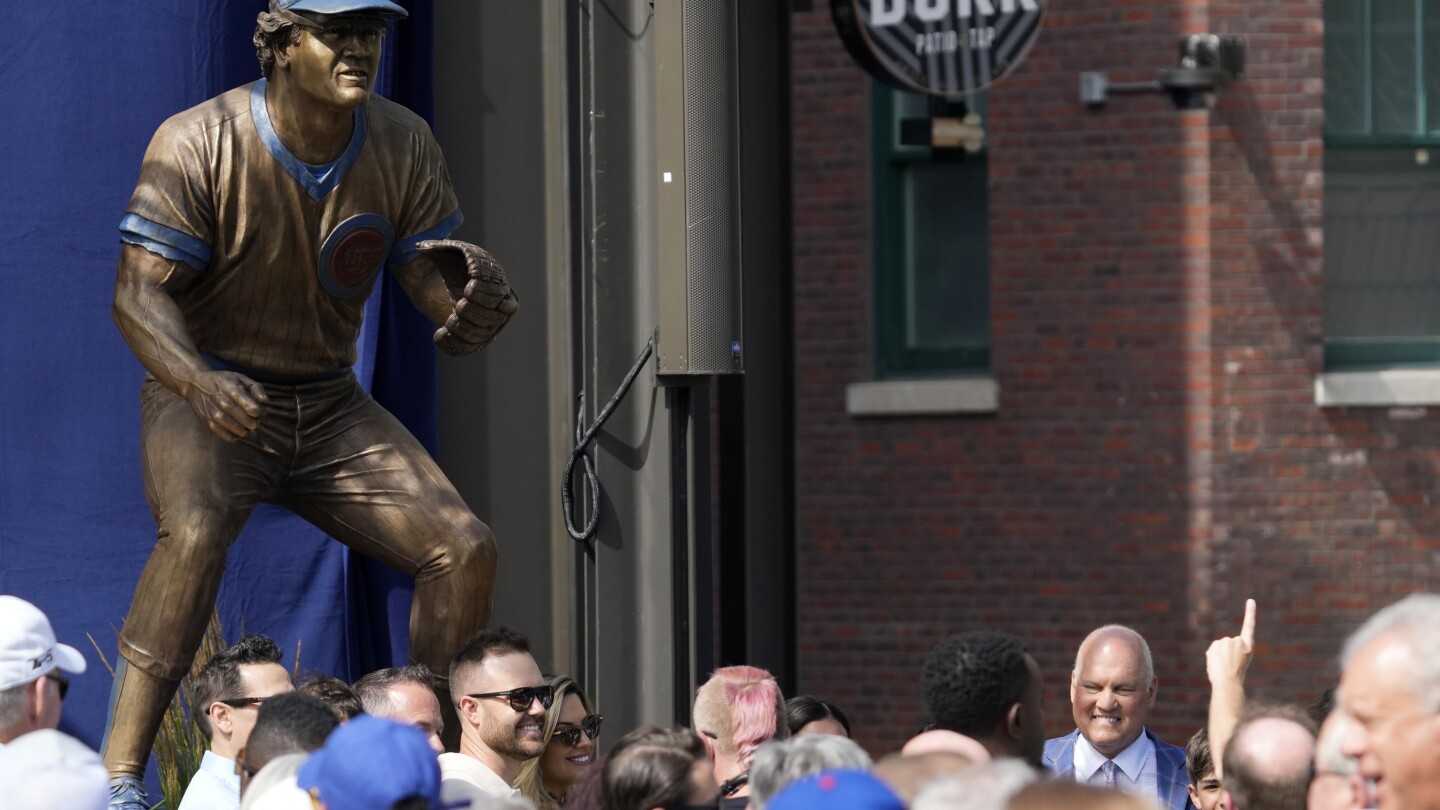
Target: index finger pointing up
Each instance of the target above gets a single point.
(1247, 628)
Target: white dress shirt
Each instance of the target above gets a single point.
(215, 786)
(1135, 766)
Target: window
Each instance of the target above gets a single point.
(932, 247)
(1382, 188)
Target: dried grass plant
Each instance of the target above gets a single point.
(181, 745)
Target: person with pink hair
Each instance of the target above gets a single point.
(736, 711)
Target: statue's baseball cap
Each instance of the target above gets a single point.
(383, 8)
(28, 649)
(372, 762)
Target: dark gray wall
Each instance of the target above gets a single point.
(544, 113)
(495, 407)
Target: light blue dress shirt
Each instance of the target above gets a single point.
(215, 786)
(1135, 765)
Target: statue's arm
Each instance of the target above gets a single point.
(421, 280)
(463, 290)
(151, 322)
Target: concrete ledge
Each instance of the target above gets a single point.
(923, 397)
(1400, 387)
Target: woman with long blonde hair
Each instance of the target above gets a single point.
(571, 730)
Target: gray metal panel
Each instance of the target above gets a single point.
(672, 175)
(712, 190)
(698, 158)
(625, 657)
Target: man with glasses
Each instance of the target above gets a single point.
(32, 687)
(502, 698)
(228, 693)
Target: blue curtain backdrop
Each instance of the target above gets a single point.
(83, 85)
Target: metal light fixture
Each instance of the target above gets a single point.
(1208, 62)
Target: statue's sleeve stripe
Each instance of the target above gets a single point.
(162, 241)
(405, 251)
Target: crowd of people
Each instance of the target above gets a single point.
(516, 738)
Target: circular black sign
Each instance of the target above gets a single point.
(939, 47)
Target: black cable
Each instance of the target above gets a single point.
(583, 437)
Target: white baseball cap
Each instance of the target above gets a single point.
(47, 769)
(28, 649)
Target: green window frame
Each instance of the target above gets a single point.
(932, 287)
(1381, 81)
(1382, 191)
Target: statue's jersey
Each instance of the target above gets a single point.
(285, 252)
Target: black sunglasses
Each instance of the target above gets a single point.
(62, 681)
(590, 727)
(241, 703)
(520, 699)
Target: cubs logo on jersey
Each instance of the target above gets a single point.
(353, 253)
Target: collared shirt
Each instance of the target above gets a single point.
(1135, 766)
(215, 786)
(467, 770)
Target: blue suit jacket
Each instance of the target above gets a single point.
(1171, 780)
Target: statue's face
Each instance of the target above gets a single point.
(336, 64)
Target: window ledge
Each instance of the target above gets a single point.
(923, 397)
(1397, 387)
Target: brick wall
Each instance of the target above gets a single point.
(1157, 456)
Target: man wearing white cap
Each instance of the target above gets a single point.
(31, 662)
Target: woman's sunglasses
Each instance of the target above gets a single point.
(590, 727)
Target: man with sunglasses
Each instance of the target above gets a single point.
(32, 687)
(229, 691)
(501, 697)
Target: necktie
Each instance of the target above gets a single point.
(1107, 773)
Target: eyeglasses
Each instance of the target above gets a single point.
(520, 699)
(241, 703)
(62, 681)
(590, 727)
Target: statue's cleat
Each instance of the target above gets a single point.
(128, 793)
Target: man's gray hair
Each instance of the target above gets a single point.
(988, 786)
(1416, 619)
(1146, 661)
(779, 762)
(374, 689)
(12, 705)
(1328, 756)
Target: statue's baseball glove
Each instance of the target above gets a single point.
(483, 299)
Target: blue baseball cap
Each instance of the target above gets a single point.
(837, 790)
(384, 8)
(371, 762)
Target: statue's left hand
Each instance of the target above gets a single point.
(484, 301)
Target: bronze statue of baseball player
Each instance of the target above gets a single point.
(257, 229)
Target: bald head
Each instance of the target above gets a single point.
(1118, 639)
(906, 774)
(1112, 688)
(1268, 762)
(948, 742)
